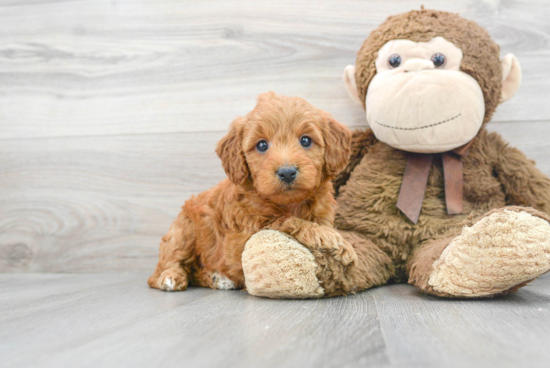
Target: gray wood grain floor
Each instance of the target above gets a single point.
(115, 320)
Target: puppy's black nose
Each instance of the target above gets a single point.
(287, 174)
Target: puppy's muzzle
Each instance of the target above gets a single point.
(287, 174)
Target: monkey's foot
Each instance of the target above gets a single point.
(277, 266)
(503, 251)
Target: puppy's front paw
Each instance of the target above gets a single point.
(347, 254)
(329, 240)
(172, 280)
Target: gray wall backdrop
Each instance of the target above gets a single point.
(110, 110)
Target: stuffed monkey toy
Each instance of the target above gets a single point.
(429, 196)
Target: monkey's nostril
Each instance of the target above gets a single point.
(287, 174)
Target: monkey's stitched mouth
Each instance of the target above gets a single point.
(421, 127)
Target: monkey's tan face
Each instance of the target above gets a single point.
(420, 101)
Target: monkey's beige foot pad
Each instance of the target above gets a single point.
(277, 266)
(503, 250)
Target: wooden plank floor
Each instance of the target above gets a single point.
(115, 320)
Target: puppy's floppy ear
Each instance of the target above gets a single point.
(337, 146)
(230, 151)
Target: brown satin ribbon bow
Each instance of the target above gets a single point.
(415, 179)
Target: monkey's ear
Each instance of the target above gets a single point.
(351, 85)
(337, 146)
(229, 150)
(511, 77)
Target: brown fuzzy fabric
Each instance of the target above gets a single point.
(481, 53)
(361, 141)
(373, 267)
(495, 175)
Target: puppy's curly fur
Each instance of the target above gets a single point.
(204, 244)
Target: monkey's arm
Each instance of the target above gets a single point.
(523, 183)
(361, 141)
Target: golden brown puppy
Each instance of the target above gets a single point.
(280, 159)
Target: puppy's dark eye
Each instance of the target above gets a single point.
(306, 142)
(439, 60)
(262, 146)
(394, 61)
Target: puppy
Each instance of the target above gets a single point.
(280, 159)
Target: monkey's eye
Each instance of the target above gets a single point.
(305, 141)
(262, 145)
(439, 60)
(394, 61)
